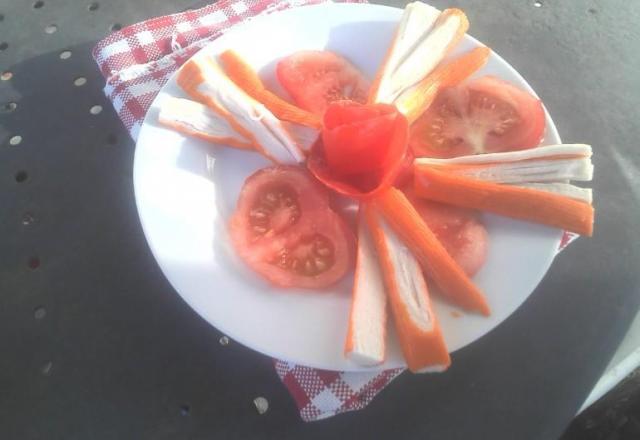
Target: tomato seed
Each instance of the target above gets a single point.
(309, 267)
(259, 229)
(257, 214)
(321, 265)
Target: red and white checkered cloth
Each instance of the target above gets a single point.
(136, 62)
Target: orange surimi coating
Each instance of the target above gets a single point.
(507, 200)
(195, 119)
(416, 324)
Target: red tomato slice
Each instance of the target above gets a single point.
(362, 148)
(483, 116)
(459, 230)
(284, 229)
(315, 78)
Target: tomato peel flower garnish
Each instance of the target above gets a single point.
(361, 149)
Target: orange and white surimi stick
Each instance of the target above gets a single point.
(365, 343)
(512, 201)
(405, 221)
(203, 80)
(416, 324)
(547, 168)
(423, 39)
(195, 119)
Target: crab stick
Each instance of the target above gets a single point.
(248, 80)
(203, 80)
(404, 220)
(528, 204)
(547, 168)
(423, 39)
(414, 101)
(195, 119)
(544, 152)
(365, 342)
(416, 324)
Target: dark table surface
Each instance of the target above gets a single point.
(95, 344)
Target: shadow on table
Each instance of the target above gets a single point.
(120, 340)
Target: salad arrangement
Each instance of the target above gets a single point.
(421, 149)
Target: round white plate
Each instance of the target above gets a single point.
(186, 189)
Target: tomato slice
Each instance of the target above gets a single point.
(459, 230)
(483, 116)
(284, 229)
(361, 149)
(315, 78)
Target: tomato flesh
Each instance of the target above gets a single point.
(314, 79)
(483, 116)
(458, 229)
(284, 229)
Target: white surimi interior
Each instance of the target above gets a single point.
(426, 56)
(417, 22)
(551, 170)
(370, 304)
(578, 150)
(409, 278)
(302, 135)
(196, 118)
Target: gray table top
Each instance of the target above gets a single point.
(96, 344)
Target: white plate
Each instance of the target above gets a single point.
(186, 189)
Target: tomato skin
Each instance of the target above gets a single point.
(481, 116)
(293, 232)
(356, 137)
(362, 148)
(458, 229)
(314, 79)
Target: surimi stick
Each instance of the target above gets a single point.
(365, 342)
(405, 221)
(304, 136)
(248, 80)
(546, 168)
(204, 81)
(542, 170)
(511, 201)
(416, 324)
(422, 40)
(415, 24)
(195, 119)
(545, 152)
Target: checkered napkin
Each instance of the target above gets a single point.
(136, 62)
